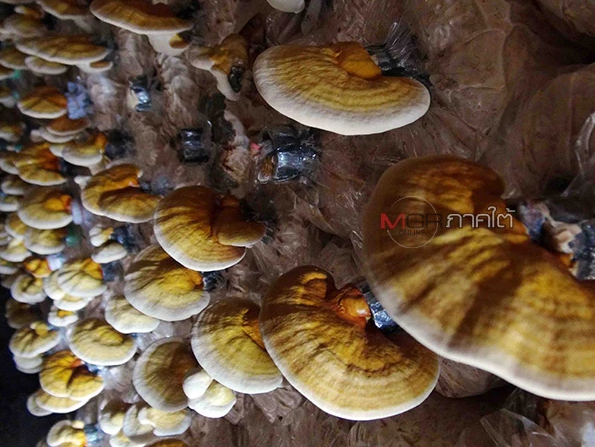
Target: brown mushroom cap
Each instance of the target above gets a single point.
(46, 209)
(10, 57)
(338, 88)
(43, 102)
(18, 25)
(96, 342)
(65, 375)
(41, 66)
(202, 231)
(64, 9)
(67, 50)
(320, 339)
(160, 287)
(227, 343)
(65, 126)
(33, 340)
(159, 374)
(484, 296)
(86, 153)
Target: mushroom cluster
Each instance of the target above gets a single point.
(175, 300)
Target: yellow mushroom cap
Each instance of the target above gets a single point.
(8, 204)
(206, 396)
(36, 164)
(119, 177)
(19, 315)
(43, 102)
(33, 340)
(86, 153)
(19, 25)
(46, 209)
(27, 289)
(130, 205)
(64, 9)
(513, 308)
(159, 374)
(126, 319)
(15, 227)
(28, 365)
(111, 416)
(135, 432)
(7, 162)
(109, 252)
(45, 242)
(57, 404)
(12, 184)
(202, 231)
(164, 423)
(96, 342)
(168, 443)
(337, 88)
(52, 288)
(11, 132)
(61, 318)
(41, 66)
(8, 268)
(67, 50)
(10, 57)
(63, 300)
(121, 440)
(141, 17)
(65, 375)
(81, 278)
(320, 339)
(227, 343)
(70, 433)
(51, 138)
(160, 287)
(35, 409)
(15, 251)
(293, 6)
(37, 266)
(99, 235)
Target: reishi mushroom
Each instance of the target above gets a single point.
(320, 338)
(33, 340)
(203, 231)
(485, 295)
(207, 396)
(120, 314)
(46, 209)
(160, 287)
(338, 88)
(43, 102)
(227, 343)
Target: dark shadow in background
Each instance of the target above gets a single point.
(18, 428)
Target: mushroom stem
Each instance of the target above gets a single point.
(170, 45)
(350, 304)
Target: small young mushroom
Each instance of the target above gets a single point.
(227, 62)
(86, 153)
(65, 375)
(76, 50)
(135, 432)
(164, 423)
(206, 396)
(33, 340)
(126, 319)
(40, 66)
(81, 278)
(67, 433)
(43, 102)
(227, 343)
(61, 318)
(159, 374)
(96, 342)
(27, 289)
(28, 365)
(116, 193)
(15, 251)
(109, 252)
(111, 416)
(203, 231)
(45, 242)
(10, 57)
(65, 126)
(338, 88)
(160, 287)
(99, 235)
(479, 292)
(320, 339)
(156, 21)
(55, 404)
(46, 209)
(37, 165)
